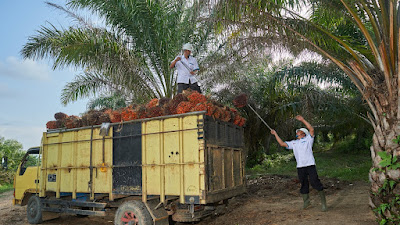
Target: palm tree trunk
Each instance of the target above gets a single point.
(385, 187)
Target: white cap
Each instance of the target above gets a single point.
(187, 46)
(304, 131)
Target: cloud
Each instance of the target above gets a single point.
(24, 69)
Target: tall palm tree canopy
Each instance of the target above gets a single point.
(130, 55)
(362, 37)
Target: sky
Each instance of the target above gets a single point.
(30, 91)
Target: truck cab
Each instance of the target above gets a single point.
(26, 179)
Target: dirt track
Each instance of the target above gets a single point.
(269, 200)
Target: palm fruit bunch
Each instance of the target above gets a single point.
(141, 112)
(104, 118)
(60, 116)
(163, 101)
(152, 103)
(51, 124)
(240, 101)
(184, 107)
(115, 116)
(154, 112)
(73, 122)
(92, 117)
(128, 113)
(173, 104)
(199, 107)
(196, 98)
(188, 101)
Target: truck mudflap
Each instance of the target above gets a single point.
(186, 216)
(157, 212)
(72, 207)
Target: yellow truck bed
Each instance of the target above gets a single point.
(190, 155)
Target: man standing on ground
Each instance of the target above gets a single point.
(302, 149)
(187, 69)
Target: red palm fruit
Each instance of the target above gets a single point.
(184, 107)
(173, 104)
(240, 101)
(226, 116)
(195, 98)
(154, 112)
(199, 107)
(60, 116)
(115, 116)
(127, 114)
(51, 124)
(210, 109)
(218, 113)
(141, 112)
(242, 122)
(233, 110)
(152, 103)
(237, 120)
(72, 122)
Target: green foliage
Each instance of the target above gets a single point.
(330, 164)
(131, 54)
(6, 187)
(397, 140)
(114, 101)
(281, 91)
(13, 150)
(356, 142)
(389, 161)
(382, 209)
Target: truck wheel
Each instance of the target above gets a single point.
(34, 210)
(132, 213)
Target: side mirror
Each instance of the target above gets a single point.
(4, 162)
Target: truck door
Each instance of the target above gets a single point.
(26, 178)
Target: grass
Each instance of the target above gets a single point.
(344, 166)
(5, 188)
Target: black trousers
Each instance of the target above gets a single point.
(304, 173)
(183, 86)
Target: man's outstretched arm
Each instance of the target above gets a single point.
(308, 125)
(278, 139)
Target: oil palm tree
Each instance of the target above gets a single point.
(279, 91)
(129, 55)
(361, 37)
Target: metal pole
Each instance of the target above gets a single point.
(259, 117)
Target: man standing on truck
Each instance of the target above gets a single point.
(187, 69)
(302, 149)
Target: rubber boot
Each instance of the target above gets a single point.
(306, 200)
(323, 201)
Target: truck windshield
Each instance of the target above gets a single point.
(31, 158)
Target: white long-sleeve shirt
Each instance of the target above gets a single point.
(184, 75)
(302, 149)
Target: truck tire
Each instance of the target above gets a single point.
(132, 212)
(34, 210)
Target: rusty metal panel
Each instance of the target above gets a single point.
(127, 158)
(228, 168)
(217, 173)
(224, 168)
(237, 175)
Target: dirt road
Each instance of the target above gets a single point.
(269, 200)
